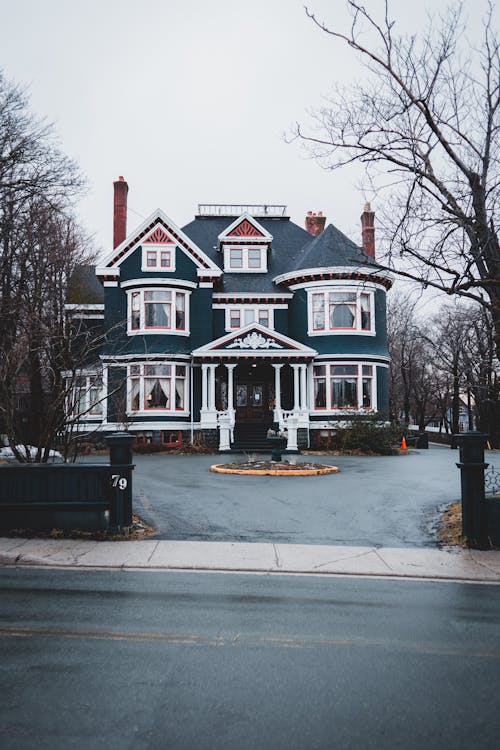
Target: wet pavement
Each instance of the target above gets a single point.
(388, 501)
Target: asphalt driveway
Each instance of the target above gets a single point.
(390, 501)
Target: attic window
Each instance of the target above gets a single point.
(158, 258)
(245, 258)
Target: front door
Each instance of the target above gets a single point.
(252, 402)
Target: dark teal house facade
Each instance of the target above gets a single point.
(237, 321)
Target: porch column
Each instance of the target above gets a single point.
(211, 391)
(277, 386)
(230, 386)
(204, 387)
(296, 394)
(303, 387)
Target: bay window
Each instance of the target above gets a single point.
(343, 387)
(159, 309)
(157, 387)
(340, 310)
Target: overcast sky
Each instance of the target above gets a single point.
(187, 99)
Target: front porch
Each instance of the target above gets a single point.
(264, 384)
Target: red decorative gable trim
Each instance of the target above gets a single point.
(245, 229)
(178, 240)
(159, 237)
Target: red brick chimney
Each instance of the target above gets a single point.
(368, 230)
(315, 223)
(119, 211)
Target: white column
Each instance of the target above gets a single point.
(204, 387)
(303, 388)
(277, 386)
(230, 386)
(296, 394)
(211, 392)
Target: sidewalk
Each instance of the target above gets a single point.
(437, 564)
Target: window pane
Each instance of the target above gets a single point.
(236, 258)
(234, 319)
(367, 392)
(163, 370)
(180, 311)
(319, 393)
(249, 316)
(165, 259)
(180, 371)
(367, 370)
(151, 258)
(254, 258)
(179, 393)
(319, 370)
(318, 312)
(264, 317)
(340, 297)
(342, 315)
(157, 314)
(344, 369)
(344, 393)
(156, 393)
(365, 312)
(241, 395)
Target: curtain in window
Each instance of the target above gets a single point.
(344, 393)
(179, 393)
(342, 310)
(134, 395)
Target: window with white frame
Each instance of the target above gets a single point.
(247, 258)
(341, 310)
(341, 387)
(242, 315)
(158, 258)
(87, 396)
(158, 310)
(157, 387)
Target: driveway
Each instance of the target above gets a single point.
(390, 501)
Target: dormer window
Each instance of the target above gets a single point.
(245, 258)
(158, 258)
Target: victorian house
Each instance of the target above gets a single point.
(237, 321)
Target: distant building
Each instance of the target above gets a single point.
(236, 321)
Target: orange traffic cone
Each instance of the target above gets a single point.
(403, 443)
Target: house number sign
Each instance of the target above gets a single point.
(118, 481)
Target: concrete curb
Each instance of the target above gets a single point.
(387, 562)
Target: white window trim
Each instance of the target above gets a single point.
(357, 331)
(142, 330)
(142, 412)
(255, 309)
(359, 388)
(86, 414)
(245, 268)
(151, 247)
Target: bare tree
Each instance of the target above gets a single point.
(425, 123)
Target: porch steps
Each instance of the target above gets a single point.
(251, 438)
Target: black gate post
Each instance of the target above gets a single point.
(121, 467)
(474, 508)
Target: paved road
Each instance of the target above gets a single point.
(148, 661)
(388, 501)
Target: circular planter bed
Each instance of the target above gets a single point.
(274, 469)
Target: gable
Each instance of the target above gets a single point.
(254, 340)
(245, 229)
(157, 229)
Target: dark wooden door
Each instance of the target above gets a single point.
(252, 402)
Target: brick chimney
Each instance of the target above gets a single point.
(368, 230)
(315, 223)
(119, 211)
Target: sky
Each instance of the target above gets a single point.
(188, 100)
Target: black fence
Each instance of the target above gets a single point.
(480, 511)
(81, 496)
